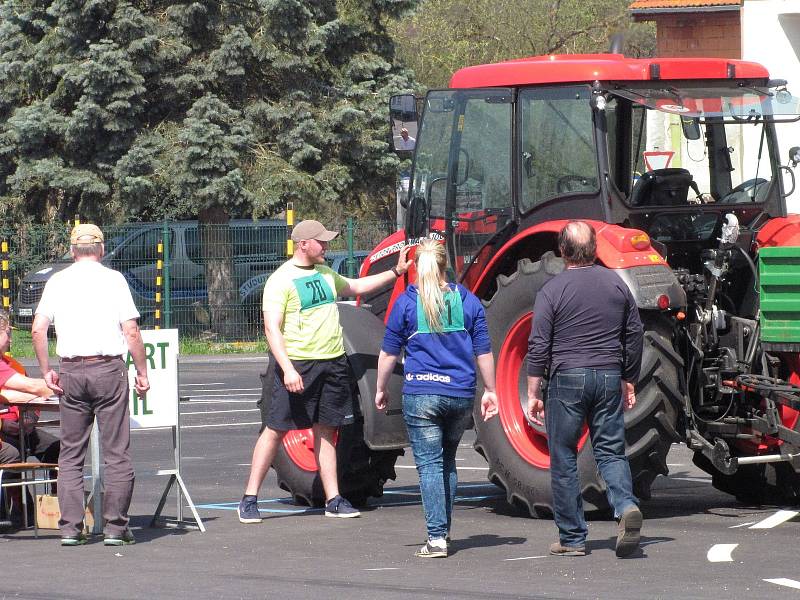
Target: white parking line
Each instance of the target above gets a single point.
(383, 569)
(779, 517)
(459, 468)
(219, 395)
(199, 384)
(721, 552)
(693, 479)
(219, 425)
(524, 558)
(217, 391)
(741, 525)
(218, 412)
(785, 582)
(222, 401)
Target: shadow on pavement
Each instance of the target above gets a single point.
(484, 540)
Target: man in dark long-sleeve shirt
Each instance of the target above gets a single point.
(587, 331)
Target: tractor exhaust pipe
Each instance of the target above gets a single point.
(616, 43)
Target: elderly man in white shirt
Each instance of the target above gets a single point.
(96, 325)
(406, 142)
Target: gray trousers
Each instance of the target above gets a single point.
(94, 388)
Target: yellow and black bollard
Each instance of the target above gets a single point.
(289, 226)
(6, 289)
(159, 284)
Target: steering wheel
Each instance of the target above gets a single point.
(745, 191)
(575, 183)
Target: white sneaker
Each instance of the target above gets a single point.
(433, 549)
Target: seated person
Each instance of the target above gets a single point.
(39, 443)
(15, 386)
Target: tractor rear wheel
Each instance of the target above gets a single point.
(517, 451)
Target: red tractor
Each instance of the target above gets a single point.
(676, 164)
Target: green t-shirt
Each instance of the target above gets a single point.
(307, 299)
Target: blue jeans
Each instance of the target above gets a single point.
(593, 395)
(435, 425)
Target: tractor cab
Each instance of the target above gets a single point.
(666, 146)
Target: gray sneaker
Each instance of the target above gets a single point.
(123, 539)
(248, 510)
(341, 508)
(74, 540)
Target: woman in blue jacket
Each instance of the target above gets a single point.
(442, 327)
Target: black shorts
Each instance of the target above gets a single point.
(326, 398)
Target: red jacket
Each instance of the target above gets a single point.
(9, 367)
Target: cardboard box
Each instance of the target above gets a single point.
(48, 513)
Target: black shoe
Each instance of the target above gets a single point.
(124, 539)
(78, 539)
(6, 525)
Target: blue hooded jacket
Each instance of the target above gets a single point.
(438, 363)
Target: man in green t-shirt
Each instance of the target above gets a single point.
(312, 381)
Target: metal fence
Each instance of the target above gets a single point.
(207, 281)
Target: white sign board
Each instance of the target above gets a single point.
(159, 407)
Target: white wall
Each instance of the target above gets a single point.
(771, 36)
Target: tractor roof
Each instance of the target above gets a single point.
(582, 68)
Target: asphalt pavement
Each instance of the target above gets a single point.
(697, 542)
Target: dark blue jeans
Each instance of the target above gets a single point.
(594, 396)
(435, 425)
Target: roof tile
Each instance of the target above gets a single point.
(666, 4)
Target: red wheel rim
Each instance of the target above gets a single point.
(299, 446)
(529, 441)
(789, 416)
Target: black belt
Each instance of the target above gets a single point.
(101, 357)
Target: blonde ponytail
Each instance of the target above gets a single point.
(431, 265)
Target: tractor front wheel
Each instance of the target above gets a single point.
(517, 450)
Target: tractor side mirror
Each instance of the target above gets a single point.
(794, 155)
(403, 121)
(690, 127)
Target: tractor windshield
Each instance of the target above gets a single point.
(711, 146)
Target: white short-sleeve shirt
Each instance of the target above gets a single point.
(87, 302)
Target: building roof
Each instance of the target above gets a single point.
(641, 6)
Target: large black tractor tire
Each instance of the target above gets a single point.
(766, 483)
(517, 451)
(362, 471)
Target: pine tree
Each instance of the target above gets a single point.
(131, 110)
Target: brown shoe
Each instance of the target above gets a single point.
(629, 533)
(556, 549)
